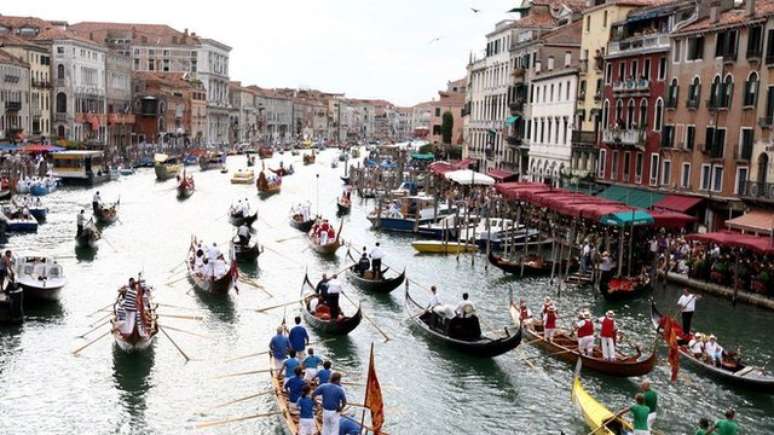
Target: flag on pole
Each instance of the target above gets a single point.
(671, 332)
(373, 399)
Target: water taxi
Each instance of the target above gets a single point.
(80, 167)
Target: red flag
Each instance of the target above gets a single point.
(373, 399)
(671, 332)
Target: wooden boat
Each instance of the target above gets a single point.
(594, 413)
(212, 160)
(732, 371)
(41, 278)
(165, 166)
(265, 188)
(89, 236)
(297, 221)
(237, 219)
(18, 220)
(329, 248)
(243, 176)
(106, 214)
(283, 171)
(439, 247)
(145, 327)
(290, 419)
(12, 305)
(461, 334)
(534, 265)
(344, 205)
(367, 283)
(246, 253)
(185, 186)
(325, 325)
(265, 152)
(565, 348)
(625, 288)
(204, 282)
(309, 158)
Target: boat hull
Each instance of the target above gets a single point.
(165, 172)
(439, 247)
(41, 293)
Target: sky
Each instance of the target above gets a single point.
(364, 48)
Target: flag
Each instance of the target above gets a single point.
(671, 332)
(373, 400)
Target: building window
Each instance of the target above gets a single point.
(741, 179)
(614, 166)
(715, 92)
(619, 120)
(608, 73)
(60, 72)
(638, 168)
(717, 178)
(646, 69)
(658, 115)
(754, 42)
(690, 136)
(643, 123)
(746, 143)
(666, 172)
(725, 44)
(567, 58)
(621, 71)
(605, 114)
(715, 140)
(694, 93)
(437, 111)
(604, 19)
(567, 92)
(626, 166)
(633, 70)
(706, 176)
(695, 49)
(751, 90)
(685, 176)
(662, 65)
(601, 163)
(588, 23)
(770, 47)
(728, 92)
(676, 51)
(672, 94)
(653, 169)
(770, 105)
(630, 121)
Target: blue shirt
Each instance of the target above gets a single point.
(305, 407)
(295, 387)
(323, 375)
(290, 367)
(348, 426)
(279, 346)
(332, 396)
(312, 361)
(298, 337)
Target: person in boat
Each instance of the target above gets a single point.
(348, 192)
(348, 425)
(696, 345)
(198, 260)
(213, 252)
(311, 364)
(334, 399)
(129, 306)
(687, 305)
(80, 222)
(547, 302)
(219, 268)
(651, 401)
(279, 346)
(6, 270)
(607, 335)
(713, 351)
(376, 261)
(549, 322)
(321, 288)
(298, 338)
(639, 412)
(294, 386)
(246, 208)
(95, 202)
(584, 328)
(306, 408)
(244, 234)
(332, 300)
(323, 375)
(434, 300)
(524, 312)
(704, 427)
(364, 263)
(465, 308)
(726, 426)
(324, 232)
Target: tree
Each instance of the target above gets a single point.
(447, 125)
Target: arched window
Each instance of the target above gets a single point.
(715, 92)
(728, 91)
(694, 93)
(643, 123)
(630, 120)
(605, 114)
(658, 116)
(619, 121)
(673, 94)
(60, 74)
(751, 90)
(61, 103)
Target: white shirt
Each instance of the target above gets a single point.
(96, 198)
(465, 309)
(687, 303)
(213, 253)
(586, 250)
(243, 231)
(377, 253)
(712, 348)
(219, 269)
(81, 219)
(654, 246)
(696, 346)
(434, 300)
(334, 286)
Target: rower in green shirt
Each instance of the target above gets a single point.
(640, 413)
(703, 427)
(726, 426)
(651, 401)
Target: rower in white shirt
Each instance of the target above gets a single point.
(434, 300)
(376, 261)
(687, 305)
(244, 234)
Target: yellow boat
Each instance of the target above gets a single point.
(596, 414)
(243, 176)
(439, 247)
(165, 166)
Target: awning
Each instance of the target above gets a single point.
(628, 218)
(426, 157)
(671, 219)
(500, 175)
(440, 168)
(762, 245)
(8, 147)
(755, 221)
(461, 164)
(634, 197)
(511, 119)
(679, 203)
(466, 177)
(39, 148)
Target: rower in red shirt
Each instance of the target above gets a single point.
(549, 323)
(524, 312)
(585, 332)
(607, 336)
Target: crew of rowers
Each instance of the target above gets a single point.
(304, 377)
(302, 212)
(583, 328)
(325, 304)
(322, 232)
(209, 262)
(133, 309)
(364, 264)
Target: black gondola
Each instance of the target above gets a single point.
(462, 334)
(533, 266)
(342, 326)
(246, 253)
(298, 222)
(237, 219)
(731, 370)
(366, 283)
(343, 205)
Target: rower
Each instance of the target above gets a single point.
(465, 308)
(704, 425)
(80, 221)
(298, 338)
(332, 300)
(363, 264)
(549, 322)
(687, 305)
(607, 336)
(348, 425)
(289, 366)
(279, 347)
(585, 332)
(322, 286)
(651, 401)
(305, 406)
(639, 413)
(376, 261)
(726, 426)
(713, 351)
(524, 311)
(323, 375)
(434, 300)
(129, 306)
(219, 267)
(294, 386)
(6, 269)
(244, 234)
(334, 399)
(547, 302)
(310, 364)
(213, 252)
(95, 201)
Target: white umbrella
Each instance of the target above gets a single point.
(467, 177)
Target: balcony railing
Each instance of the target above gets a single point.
(514, 140)
(757, 190)
(692, 103)
(40, 84)
(519, 72)
(755, 53)
(59, 83)
(631, 45)
(631, 85)
(584, 138)
(13, 106)
(624, 137)
(517, 105)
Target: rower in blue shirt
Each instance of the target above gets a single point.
(298, 338)
(333, 401)
(279, 347)
(305, 406)
(325, 374)
(290, 365)
(311, 363)
(348, 426)
(294, 386)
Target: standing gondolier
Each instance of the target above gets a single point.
(376, 261)
(332, 298)
(129, 306)
(95, 202)
(607, 335)
(687, 305)
(80, 222)
(244, 234)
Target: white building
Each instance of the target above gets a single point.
(213, 73)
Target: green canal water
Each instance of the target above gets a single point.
(428, 389)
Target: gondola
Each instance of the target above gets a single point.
(206, 283)
(309, 158)
(89, 236)
(345, 180)
(625, 288)
(290, 418)
(145, 326)
(185, 186)
(533, 266)
(328, 248)
(265, 188)
(326, 326)
(565, 347)
(283, 171)
(343, 205)
(250, 160)
(297, 221)
(237, 219)
(731, 371)
(469, 338)
(246, 253)
(594, 413)
(107, 214)
(265, 152)
(368, 284)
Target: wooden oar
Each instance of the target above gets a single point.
(262, 310)
(256, 285)
(109, 244)
(97, 311)
(77, 351)
(266, 352)
(174, 344)
(172, 328)
(180, 316)
(236, 419)
(234, 375)
(101, 319)
(289, 238)
(177, 306)
(93, 329)
(231, 402)
(175, 281)
(367, 317)
(176, 266)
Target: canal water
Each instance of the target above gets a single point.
(427, 388)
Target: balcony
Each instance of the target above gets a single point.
(40, 84)
(61, 117)
(13, 106)
(514, 140)
(755, 54)
(517, 105)
(519, 72)
(631, 46)
(584, 138)
(692, 103)
(631, 86)
(757, 191)
(59, 83)
(626, 137)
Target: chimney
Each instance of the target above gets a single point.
(750, 7)
(713, 16)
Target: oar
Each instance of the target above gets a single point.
(176, 266)
(289, 238)
(231, 402)
(367, 317)
(93, 329)
(101, 319)
(109, 244)
(97, 311)
(235, 419)
(179, 316)
(609, 420)
(254, 284)
(234, 375)
(266, 352)
(174, 344)
(262, 310)
(169, 283)
(77, 351)
(172, 328)
(177, 306)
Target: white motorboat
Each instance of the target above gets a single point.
(41, 278)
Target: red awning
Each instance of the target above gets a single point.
(678, 203)
(755, 221)
(671, 219)
(501, 175)
(461, 164)
(440, 168)
(762, 245)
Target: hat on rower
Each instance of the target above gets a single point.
(586, 315)
(712, 337)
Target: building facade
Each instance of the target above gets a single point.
(118, 95)
(14, 97)
(38, 58)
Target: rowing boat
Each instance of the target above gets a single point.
(201, 279)
(266, 188)
(290, 419)
(107, 214)
(243, 176)
(317, 320)
(594, 413)
(89, 236)
(366, 281)
(441, 247)
(329, 248)
(144, 328)
(185, 186)
(625, 288)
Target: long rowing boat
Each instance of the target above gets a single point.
(594, 413)
(290, 418)
(329, 248)
(144, 327)
(201, 279)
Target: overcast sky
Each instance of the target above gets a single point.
(365, 48)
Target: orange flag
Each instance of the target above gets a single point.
(671, 331)
(373, 399)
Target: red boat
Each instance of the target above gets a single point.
(185, 186)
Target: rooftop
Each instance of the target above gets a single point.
(731, 18)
